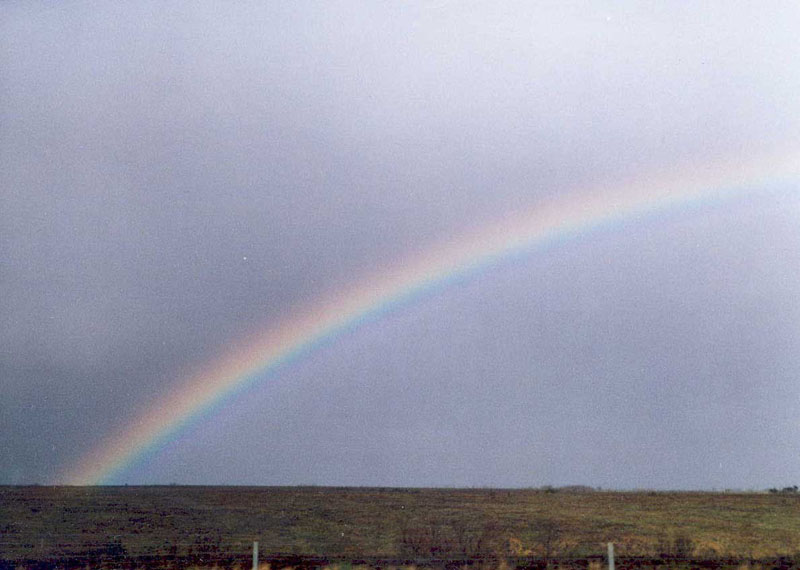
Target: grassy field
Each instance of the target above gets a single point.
(220, 523)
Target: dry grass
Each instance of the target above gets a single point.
(216, 525)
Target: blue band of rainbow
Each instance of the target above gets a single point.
(255, 359)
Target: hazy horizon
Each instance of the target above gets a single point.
(569, 488)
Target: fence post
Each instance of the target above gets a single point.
(610, 556)
(255, 555)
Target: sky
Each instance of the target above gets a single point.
(178, 177)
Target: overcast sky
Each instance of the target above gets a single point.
(176, 176)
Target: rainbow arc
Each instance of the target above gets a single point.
(257, 358)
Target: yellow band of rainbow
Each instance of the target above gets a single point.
(580, 212)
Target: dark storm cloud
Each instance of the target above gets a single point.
(175, 177)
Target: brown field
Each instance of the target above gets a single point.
(175, 526)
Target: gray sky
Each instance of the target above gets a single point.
(177, 176)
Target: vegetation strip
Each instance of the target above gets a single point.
(316, 527)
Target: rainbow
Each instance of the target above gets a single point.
(257, 358)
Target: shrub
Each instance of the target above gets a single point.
(454, 540)
(680, 547)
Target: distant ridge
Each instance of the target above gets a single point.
(577, 489)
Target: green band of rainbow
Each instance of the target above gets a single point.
(255, 359)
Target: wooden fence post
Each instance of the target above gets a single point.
(610, 556)
(255, 555)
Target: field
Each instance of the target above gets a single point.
(175, 526)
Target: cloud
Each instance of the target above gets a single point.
(177, 177)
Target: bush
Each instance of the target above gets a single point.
(454, 540)
(547, 535)
(681, 547)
